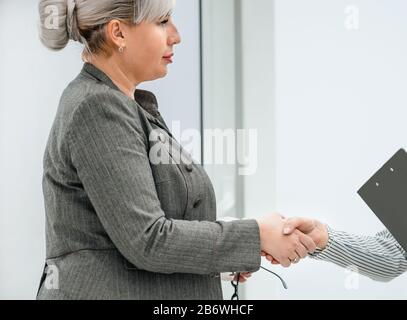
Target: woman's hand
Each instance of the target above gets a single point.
(269, 258)
(313, 228)
(287, 248)
(243, 277)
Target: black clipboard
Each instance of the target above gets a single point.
(386, 195)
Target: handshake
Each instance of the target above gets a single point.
(286, 241)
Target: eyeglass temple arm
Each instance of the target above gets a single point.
(281, 279)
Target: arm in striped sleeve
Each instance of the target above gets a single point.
(378, 257)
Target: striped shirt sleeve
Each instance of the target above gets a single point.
(378, 257)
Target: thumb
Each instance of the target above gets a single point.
(302, 224)
(288, 228)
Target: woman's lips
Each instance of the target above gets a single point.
(169, 57)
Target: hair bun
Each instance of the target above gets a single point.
(85, 20)
(54, 16)
(72, 22)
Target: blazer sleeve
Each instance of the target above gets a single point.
(109, 150)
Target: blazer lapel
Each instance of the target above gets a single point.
(145, 99)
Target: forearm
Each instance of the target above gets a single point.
(199, 247)
(379, 257)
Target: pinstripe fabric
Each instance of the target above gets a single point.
(379, 257)
(119, 226)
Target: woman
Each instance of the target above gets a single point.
(379, 257)
(119, 223)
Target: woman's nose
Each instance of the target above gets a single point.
(174, 37)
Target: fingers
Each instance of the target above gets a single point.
(291, 224)
(302, 251)
(243, 277)
(294, 258)
(286, 263)
(269, 258)
(303, 224)
(289, 248)
(272, 260)
(307, 242)
(303, 245)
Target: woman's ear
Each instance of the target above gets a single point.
(115, 33)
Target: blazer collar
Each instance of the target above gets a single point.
(145, 99)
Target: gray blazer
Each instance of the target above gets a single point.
(119, 226)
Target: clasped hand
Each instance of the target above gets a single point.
(287, 241)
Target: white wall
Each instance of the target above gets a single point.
(238, 94)
(220, 102)
(31, 82)
(334, 107)
(259, 112)
(329, 105)
(341, 111)
(179, 93)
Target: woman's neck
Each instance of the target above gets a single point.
(116, 73)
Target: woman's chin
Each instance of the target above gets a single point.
(164, 72)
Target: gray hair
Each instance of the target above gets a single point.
(84, 20)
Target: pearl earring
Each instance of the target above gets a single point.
(121, 49)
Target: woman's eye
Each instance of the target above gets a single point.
(165, 21)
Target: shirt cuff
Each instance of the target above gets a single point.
(327, 252)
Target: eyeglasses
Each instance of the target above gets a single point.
(235, 283)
